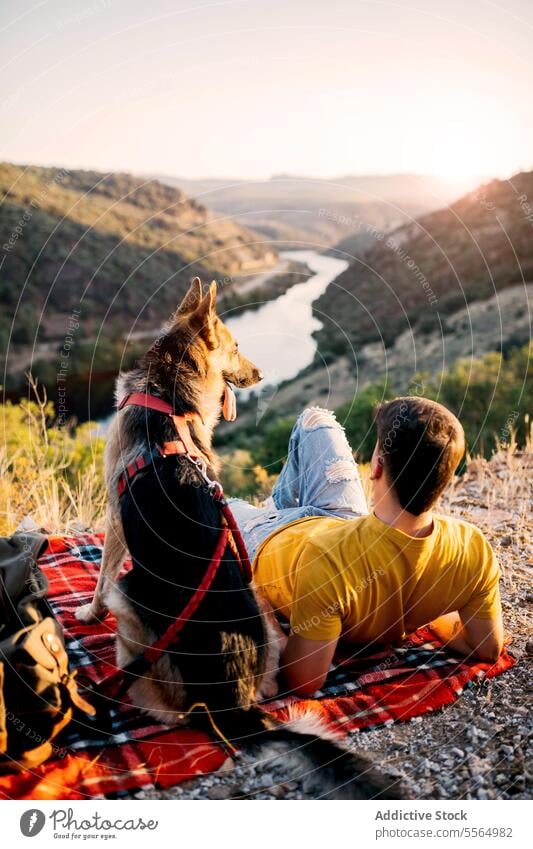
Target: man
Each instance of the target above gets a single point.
(338, 572)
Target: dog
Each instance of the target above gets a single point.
(227, 655)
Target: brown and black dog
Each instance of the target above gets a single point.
(228, 653)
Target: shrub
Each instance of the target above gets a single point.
(357, 417)
(492, 396)
(243, 478)
(272, 450)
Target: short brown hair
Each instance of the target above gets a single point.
(421, 443)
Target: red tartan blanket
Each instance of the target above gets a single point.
(132, 751)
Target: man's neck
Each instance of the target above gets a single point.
(391, 513)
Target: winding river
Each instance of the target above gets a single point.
(278, 336)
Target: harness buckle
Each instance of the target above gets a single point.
(201, 465)
(214, 487)
(216, 491)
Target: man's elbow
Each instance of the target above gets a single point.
(489, 650)
(304, 687)
(304, 691)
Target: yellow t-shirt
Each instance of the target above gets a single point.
(368, 582)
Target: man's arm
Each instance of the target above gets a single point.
(305, 663)
(471, 635)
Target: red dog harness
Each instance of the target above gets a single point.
(229, 533)
(182, 445)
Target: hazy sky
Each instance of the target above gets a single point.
(254, 87)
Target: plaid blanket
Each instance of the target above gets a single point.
(131, 751)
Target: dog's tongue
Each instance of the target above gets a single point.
(229, 404)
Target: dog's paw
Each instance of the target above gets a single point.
(89, 615)
(268, 688)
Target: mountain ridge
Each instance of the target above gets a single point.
(320, 211)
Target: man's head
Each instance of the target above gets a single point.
(420, 444)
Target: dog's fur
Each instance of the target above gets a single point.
(228, 652)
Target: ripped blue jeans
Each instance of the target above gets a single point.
(319, 478)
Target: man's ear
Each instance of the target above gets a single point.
(192, 297)
(376, 468)
(203, 318)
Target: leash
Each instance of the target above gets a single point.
(231, 748)
(229, 535)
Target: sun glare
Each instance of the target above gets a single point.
(456, 159)
(465, 154)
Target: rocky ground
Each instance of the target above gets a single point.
(479, 747)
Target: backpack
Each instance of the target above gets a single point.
(38, 693)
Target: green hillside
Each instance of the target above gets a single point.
(118, 248)
(424, 271)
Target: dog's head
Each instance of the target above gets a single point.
(214, 340)
(197, 337)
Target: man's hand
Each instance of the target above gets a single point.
(482, 638)
(305, 663)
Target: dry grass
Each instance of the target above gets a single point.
(49, 476)
(497, 495)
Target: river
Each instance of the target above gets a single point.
(278, 336)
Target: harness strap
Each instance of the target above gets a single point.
(138, 463)
(229, 534)
(151, 402)
(184, 437)
(143, 661)
(162, 644)
(236, 536)
(143, 399)
(183, 445)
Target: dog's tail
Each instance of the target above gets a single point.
(309, 752)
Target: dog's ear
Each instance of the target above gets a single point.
(203, 318)
(212, 297)
(192, 297)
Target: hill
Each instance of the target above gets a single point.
(411, 279)
(120, 249)
(321, 212)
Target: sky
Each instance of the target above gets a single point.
(251, 88)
